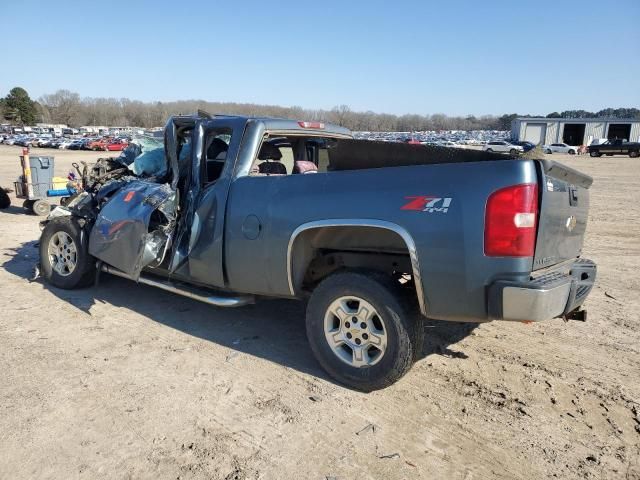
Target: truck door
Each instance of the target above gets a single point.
(198, 244)
(264, 208)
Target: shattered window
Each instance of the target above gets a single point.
(217, 146)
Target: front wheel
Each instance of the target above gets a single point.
(490, 150)
(595, 154)
(64, 254)
(513, 151)
(548, 151)
(634, 153)
(361, 332)
(572, 152)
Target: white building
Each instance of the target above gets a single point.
(574, 131)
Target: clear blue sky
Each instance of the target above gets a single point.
(448, 56)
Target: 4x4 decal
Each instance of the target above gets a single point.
(427, 203)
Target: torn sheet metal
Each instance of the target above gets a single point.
(133, 229)
(192, 189)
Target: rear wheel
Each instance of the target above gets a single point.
(595, 154)
(548, 150)
(572, 152)
(64, 255)
(490, 150)
(361, 332)
(513, 151)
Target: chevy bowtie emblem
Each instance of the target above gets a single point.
(571, 223)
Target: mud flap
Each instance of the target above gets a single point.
(134, 228)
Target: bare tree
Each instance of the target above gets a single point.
(67, 107)
(341, 115)
(62, 106)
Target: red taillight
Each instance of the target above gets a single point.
(510, 221)
(318, 125)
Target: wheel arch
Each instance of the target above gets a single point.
(300, 253)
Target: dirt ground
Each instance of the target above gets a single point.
(124, 381)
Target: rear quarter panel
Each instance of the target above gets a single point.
(450, 245)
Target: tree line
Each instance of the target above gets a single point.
(69, 108)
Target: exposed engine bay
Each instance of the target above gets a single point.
(128, 205)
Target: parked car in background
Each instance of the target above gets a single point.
(503, 146)
(64, 143)
(43, 142)
(560, 148)
(117, 145)
(25, 141)
(86, 142)
(615, 147)
(98, 144)
(526, 146)
(77, 144)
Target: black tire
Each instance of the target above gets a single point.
(85, 270)
(403, 324)
(490, 150)
(634, 153)
(572, 152)
(513, 151)
(41, 208)
(548, 151)
(595, 154)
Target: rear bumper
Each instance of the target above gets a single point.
(554, 294)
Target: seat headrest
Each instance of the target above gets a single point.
(216, 148)
(304, 166)
(269, 152)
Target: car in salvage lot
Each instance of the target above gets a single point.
(559, 148)
(376, 236)
(116, 145)
(503, 146)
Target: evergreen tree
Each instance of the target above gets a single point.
(18, 107)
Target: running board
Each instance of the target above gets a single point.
(184, 290)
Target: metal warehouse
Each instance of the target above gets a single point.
(574, 131)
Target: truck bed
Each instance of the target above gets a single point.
(348, 154)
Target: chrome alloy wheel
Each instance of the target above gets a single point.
(355, 332)
(63, 254)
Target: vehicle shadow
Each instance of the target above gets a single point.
(273, 329)
(17, 210)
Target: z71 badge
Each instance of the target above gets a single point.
(427, 203)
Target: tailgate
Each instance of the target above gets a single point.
(564, 208)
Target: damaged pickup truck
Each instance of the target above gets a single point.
(376, 236)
